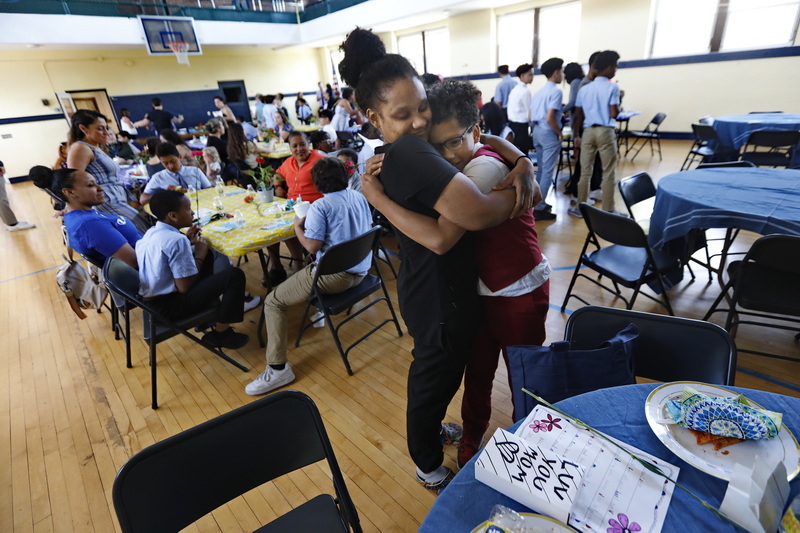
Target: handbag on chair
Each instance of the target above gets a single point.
(557, 372)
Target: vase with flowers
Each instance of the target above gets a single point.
(264, 177)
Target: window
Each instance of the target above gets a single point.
(760, 23)
(428, 51)
(535, 35)
(687, 27)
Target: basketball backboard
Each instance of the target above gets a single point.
(160, 31)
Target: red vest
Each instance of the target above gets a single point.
(509, 250)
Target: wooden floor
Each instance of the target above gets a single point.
(72, 413)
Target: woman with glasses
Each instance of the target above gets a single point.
(437, 291)
(513, 274)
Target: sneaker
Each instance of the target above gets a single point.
(21, 225)
(467, 450)
(574, 211)
(451, 434)
(541, 214)
(251, 302)
(437, 488)
(596, 195)
(226, 339)
(318, 319)
(269, 380)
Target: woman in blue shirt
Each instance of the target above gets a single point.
(92, 234)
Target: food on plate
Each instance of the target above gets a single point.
(731, 418)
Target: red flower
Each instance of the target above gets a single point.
(351, 168)
(248, 199)
(197, 153)
(260, 160)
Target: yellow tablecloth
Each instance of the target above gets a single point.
(258, 231)
(307, 128)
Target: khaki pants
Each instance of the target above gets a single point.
(599, 140)
(291, 292)
(5, 210)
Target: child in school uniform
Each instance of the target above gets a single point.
(178, 280)
(175, 175)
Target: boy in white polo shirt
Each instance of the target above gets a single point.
(174, 175)
(178, 281)
(595, 110)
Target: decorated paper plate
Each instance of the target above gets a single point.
(532, 522)
(718, 463)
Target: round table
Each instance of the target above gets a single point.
(733, 130)
(618, 412)
(761, 200)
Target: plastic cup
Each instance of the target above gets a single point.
(301, 209)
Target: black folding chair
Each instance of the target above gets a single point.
(765, 284)
(779, 148)
(175, 482)
(340, 258)
(703, 135)
(647, 136)
(121, 278)
(668, 348)
(628, 261)
(350, 140)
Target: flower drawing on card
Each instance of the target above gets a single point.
(550, 422)
(538, 426)
(624, 525)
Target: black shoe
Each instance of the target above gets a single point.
(277, 276)
(226, 339)
(541, 214)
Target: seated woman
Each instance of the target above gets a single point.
(172, 136)
(282, 126)
(217, 139)
(241, 151)
(88, 134)
(153, 164)
(174, 175)
(92, 234)
(61, 162)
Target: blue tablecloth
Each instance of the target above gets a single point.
(618, 412)
(733, 130)
(761, 200)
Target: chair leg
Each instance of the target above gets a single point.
(571, 285)
(128, 336)
(153, 374)
(713, 308)
(338, 342)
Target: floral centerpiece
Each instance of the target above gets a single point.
(267, 134)
(264, 175)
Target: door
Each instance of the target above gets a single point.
(95, 100)
(235, 94)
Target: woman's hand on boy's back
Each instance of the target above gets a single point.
(523, 178)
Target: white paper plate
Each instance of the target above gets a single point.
(532, 520)
(716, 463)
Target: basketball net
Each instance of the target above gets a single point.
(181, 51)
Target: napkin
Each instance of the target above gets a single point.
(726, 417)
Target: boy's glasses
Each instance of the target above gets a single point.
(455, 143)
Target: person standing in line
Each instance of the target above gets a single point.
(159, 118)
(597, 108)
(259, 109)
(8, 216)
(597, 170)
(503, 88)
(546, 117)
(519, 108)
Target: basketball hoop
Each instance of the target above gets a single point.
(181, 51)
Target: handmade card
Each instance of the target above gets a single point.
(534, 477)
(617, 491)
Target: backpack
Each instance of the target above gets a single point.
(83, 289)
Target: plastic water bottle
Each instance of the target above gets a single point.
(790, 522)
(220, 187)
